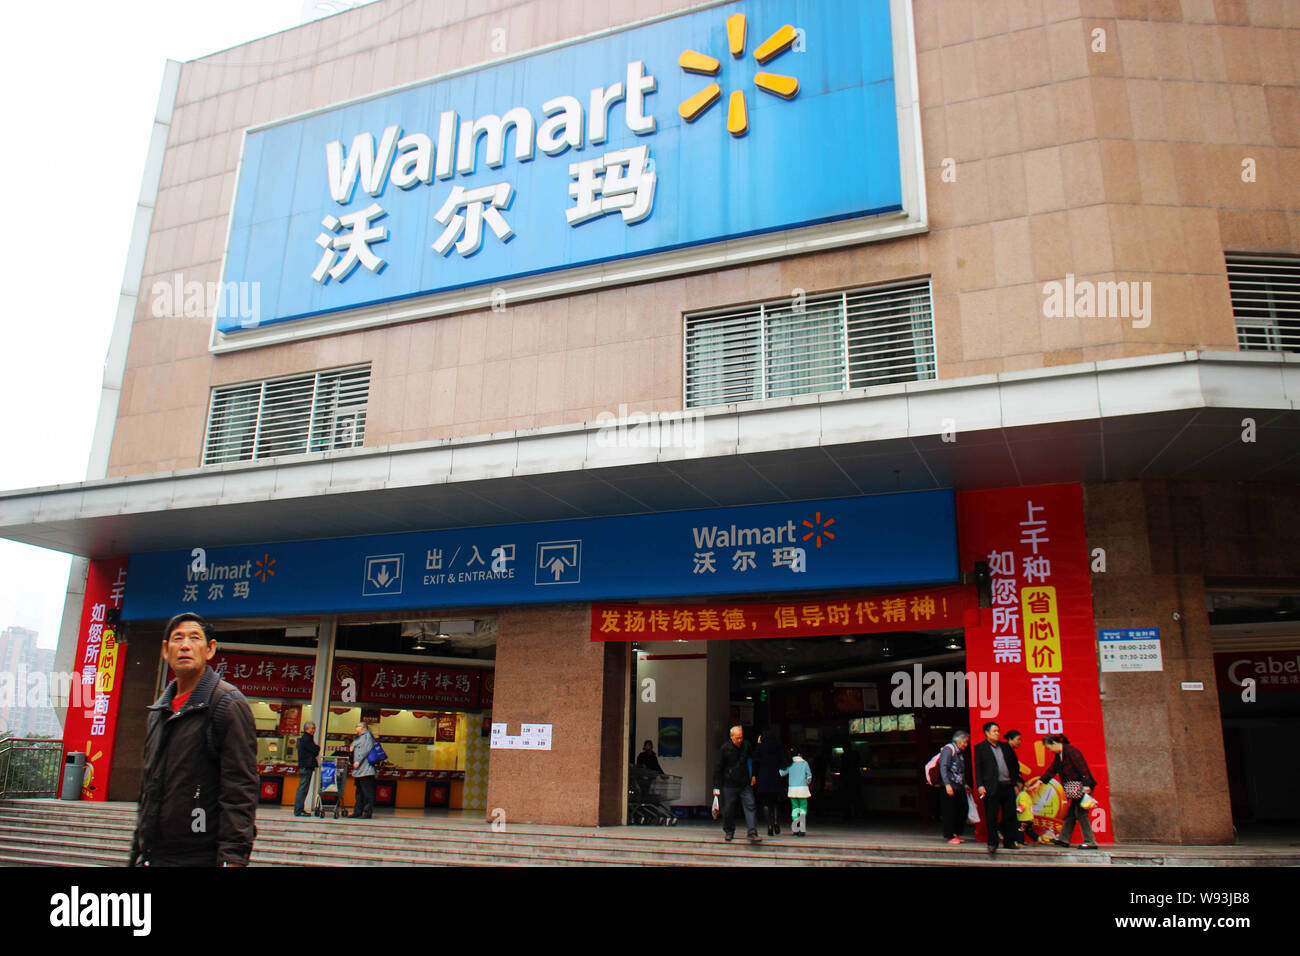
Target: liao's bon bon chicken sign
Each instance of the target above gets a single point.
(774, 126)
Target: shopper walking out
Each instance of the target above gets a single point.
(1077, 781)
(733, 781)
(800, 775)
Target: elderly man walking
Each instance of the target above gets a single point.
(733, 780)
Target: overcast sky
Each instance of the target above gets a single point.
(81, 82)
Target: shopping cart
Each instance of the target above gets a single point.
(333, 777)
(648, 795)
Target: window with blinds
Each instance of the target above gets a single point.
(287, 416)
(872, 336)
(1265, 301)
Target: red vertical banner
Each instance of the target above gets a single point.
(1038, 636)
(91, 724)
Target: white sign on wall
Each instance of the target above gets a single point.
(530, 737)
(1131, 649)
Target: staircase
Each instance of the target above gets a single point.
(55, 833)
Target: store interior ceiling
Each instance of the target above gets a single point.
(778, 662)
(1253, 607)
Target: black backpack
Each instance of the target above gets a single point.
(217, 717)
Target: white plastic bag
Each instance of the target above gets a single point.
(715, 806)
(1045, 794)
(972, 811)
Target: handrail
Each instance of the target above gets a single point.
(29, 766)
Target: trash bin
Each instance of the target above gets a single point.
(74, 772)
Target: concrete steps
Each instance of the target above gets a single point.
(87, 834)
(54, 833)
(49, 833)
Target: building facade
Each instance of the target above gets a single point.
(488, 356)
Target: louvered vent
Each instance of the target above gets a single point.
(1265, 301)
(287, 416)
(873, 336)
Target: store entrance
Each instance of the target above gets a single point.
(865, 711)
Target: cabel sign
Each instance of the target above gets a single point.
(544, 173)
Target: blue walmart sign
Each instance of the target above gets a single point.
(873, 541)
(742, 119)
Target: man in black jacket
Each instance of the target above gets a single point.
(199, 784)
(996, 773)
(733, 779)
(308, 750)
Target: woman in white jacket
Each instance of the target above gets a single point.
(800, 775)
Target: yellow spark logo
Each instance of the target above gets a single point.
(737, 113)
(264, 566)
(88, 781)
(819, 529)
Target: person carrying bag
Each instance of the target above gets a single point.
(1077, 783)
(364, 750)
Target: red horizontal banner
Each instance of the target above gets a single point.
(930, 609)
(368, 682)
(265, 675)
(419, 685)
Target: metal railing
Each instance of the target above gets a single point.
(29, 767)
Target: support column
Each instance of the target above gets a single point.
(549, 671)
(1168, 775)
(326, 632)
(718, 721)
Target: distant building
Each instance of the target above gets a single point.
(20, 657)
